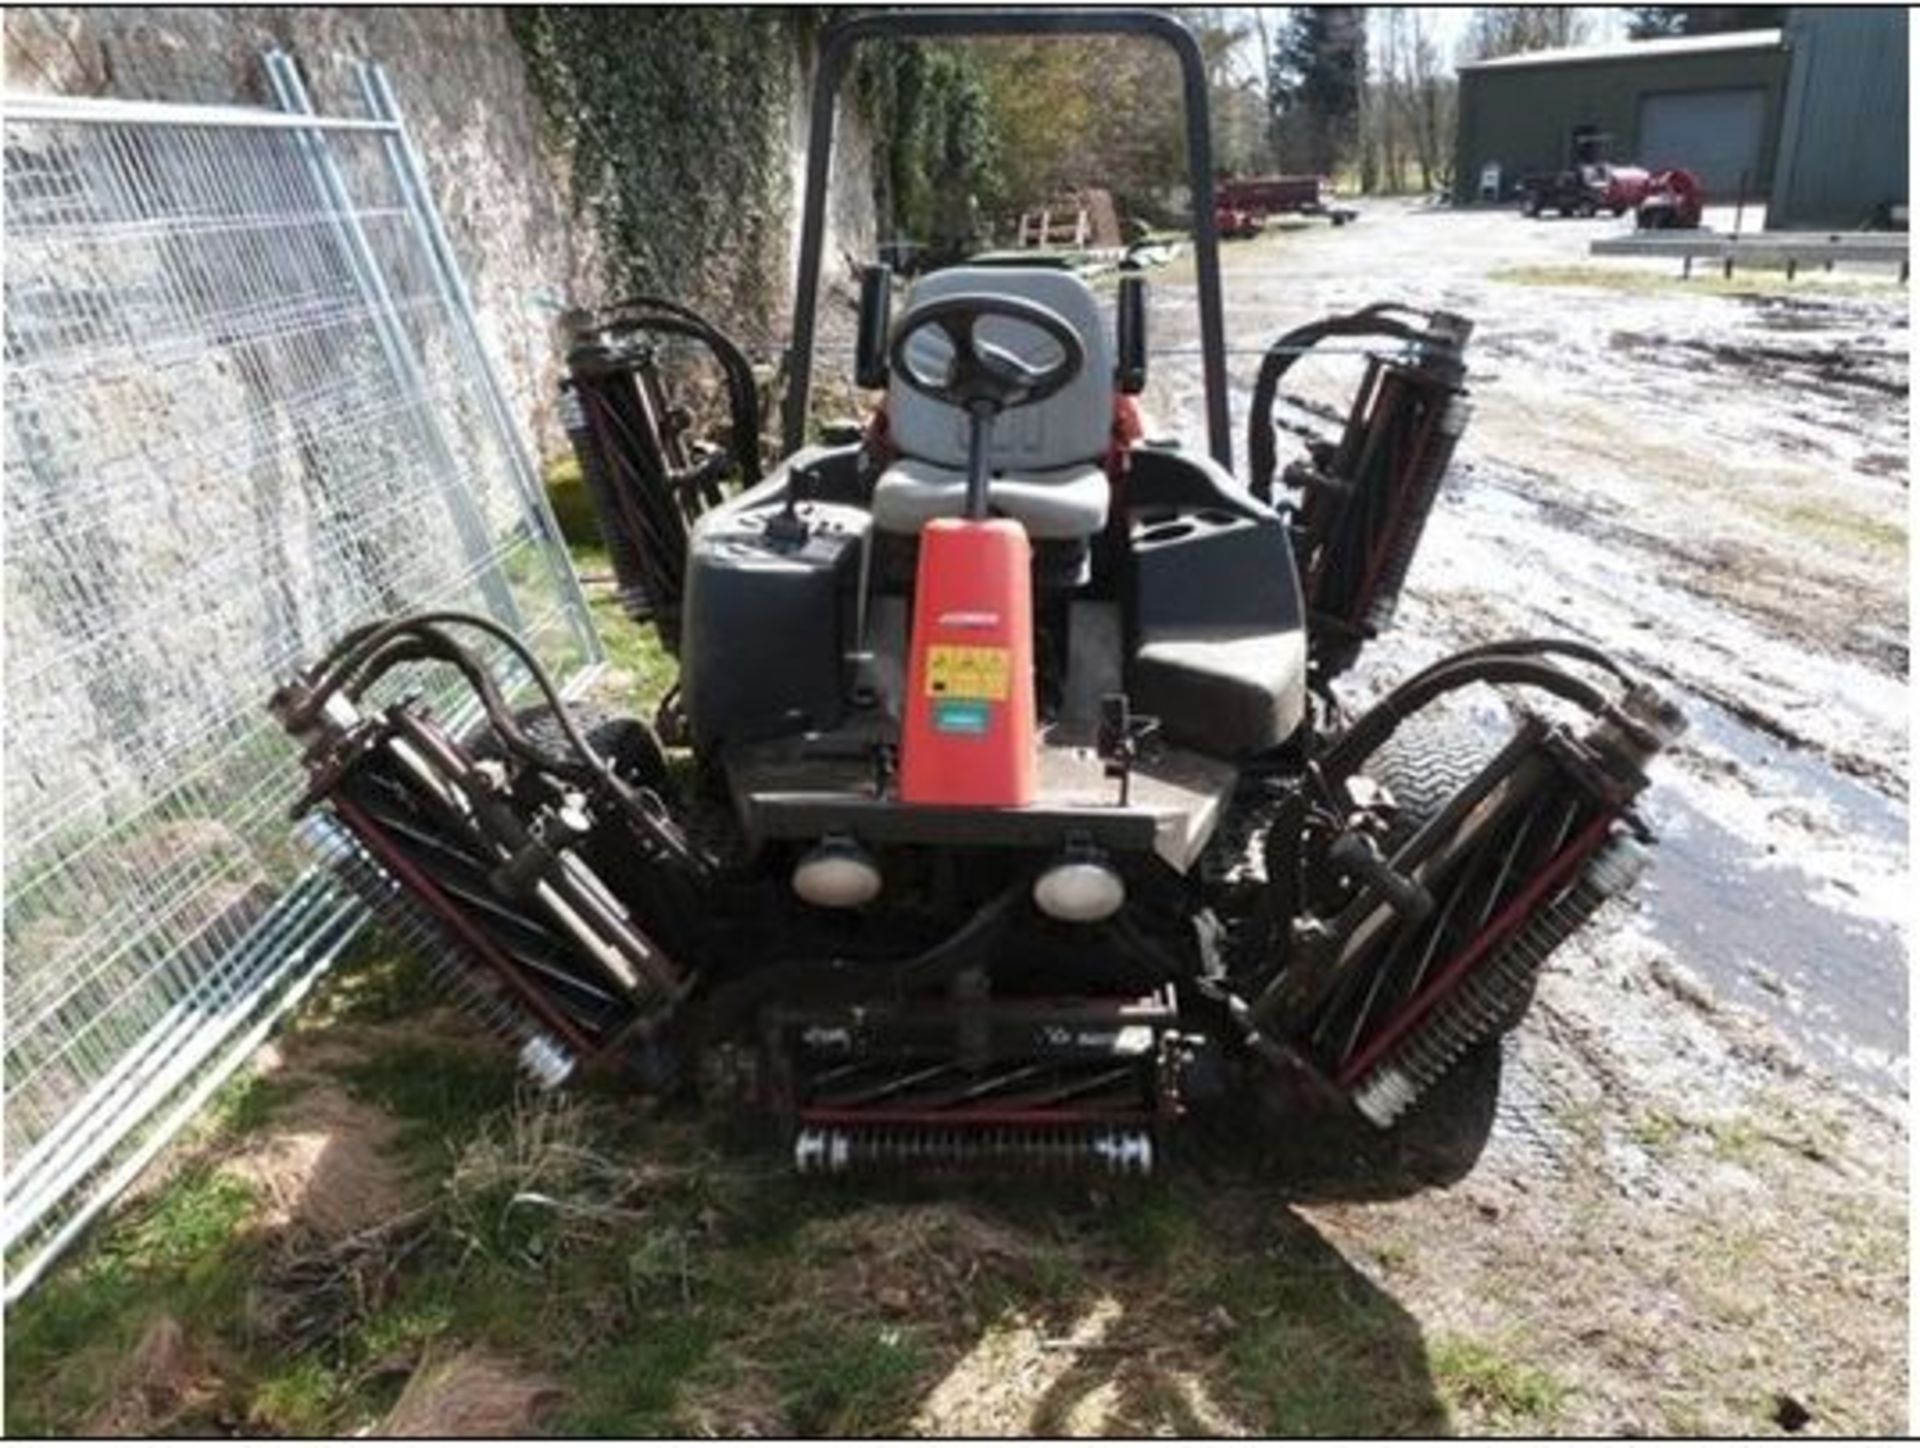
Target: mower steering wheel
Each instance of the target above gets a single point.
(982, 376)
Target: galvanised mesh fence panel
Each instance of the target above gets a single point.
(245, 411)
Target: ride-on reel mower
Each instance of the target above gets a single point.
(1020, 815)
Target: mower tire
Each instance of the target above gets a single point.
(1423, 765)
(1444, 1134)
(1324, 1150)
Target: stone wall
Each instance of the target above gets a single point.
(176, 536)
(462, 85)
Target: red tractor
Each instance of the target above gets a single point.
(1585, 190)
(1235, 224)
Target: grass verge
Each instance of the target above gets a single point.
(1748, 281)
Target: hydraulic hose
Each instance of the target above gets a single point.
(371, 640)
(427, 642)
(1373, 321)
(1517, 647)
(1377, 725)
(662, 314)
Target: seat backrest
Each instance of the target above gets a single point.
(1072, 426)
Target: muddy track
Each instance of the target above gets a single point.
(1713, 488)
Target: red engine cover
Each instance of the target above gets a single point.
(969, 734)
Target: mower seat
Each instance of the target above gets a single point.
(1055, 504)
(1047, 459)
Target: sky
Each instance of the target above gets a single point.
(1450, 22)
(1606, 22)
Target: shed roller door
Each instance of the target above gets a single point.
(1714, 133)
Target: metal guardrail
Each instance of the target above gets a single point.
(1789, 249)
(247, 407)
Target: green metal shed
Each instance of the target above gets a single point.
(1711, 103)
(1843, 130)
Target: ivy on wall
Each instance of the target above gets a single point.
(676, 122)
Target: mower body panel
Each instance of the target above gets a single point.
(767, 622)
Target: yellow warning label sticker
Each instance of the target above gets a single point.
(967, 672)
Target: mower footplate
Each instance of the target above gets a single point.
(804, 790)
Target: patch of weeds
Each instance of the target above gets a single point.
(245, 1105)
(499, 1224)
(1486, 1380)
(1870, 1233)
(630, 1389)
(1150, 1225)
(64, 1342)
(440, 1094)
(1682, 1417)
(298, 1402)
(572, 504)
(457, 1296)
(1058, 1274)
(633, 648)
(376, 983)
(848, 1381)
(403, 1330)
(188, 1223)
(1585, 1121)
(1394, 1254)
(664, 1263)
(1729, 1265)
(180, 1254)
(761, 1214)
(1842, 525)
(1656, 1129)
(1737, 1139)
(1319, 1351)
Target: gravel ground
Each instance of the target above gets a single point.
(1709, 480)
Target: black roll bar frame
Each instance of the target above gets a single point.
(836, 48)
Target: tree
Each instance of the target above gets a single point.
(1510, 29)
(1263, 80)
(1657, 22)
(1236, 92)
(934, 154)
(1316, 73)
(1426, 96)
(1409, 101)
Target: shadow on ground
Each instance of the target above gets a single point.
(386, 1231)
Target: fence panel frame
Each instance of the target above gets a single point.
(105, 1135)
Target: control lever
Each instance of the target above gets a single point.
(787, 526)
(1118, 742)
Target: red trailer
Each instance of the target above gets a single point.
(1243, 204)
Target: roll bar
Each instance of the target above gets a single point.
(836, 47)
